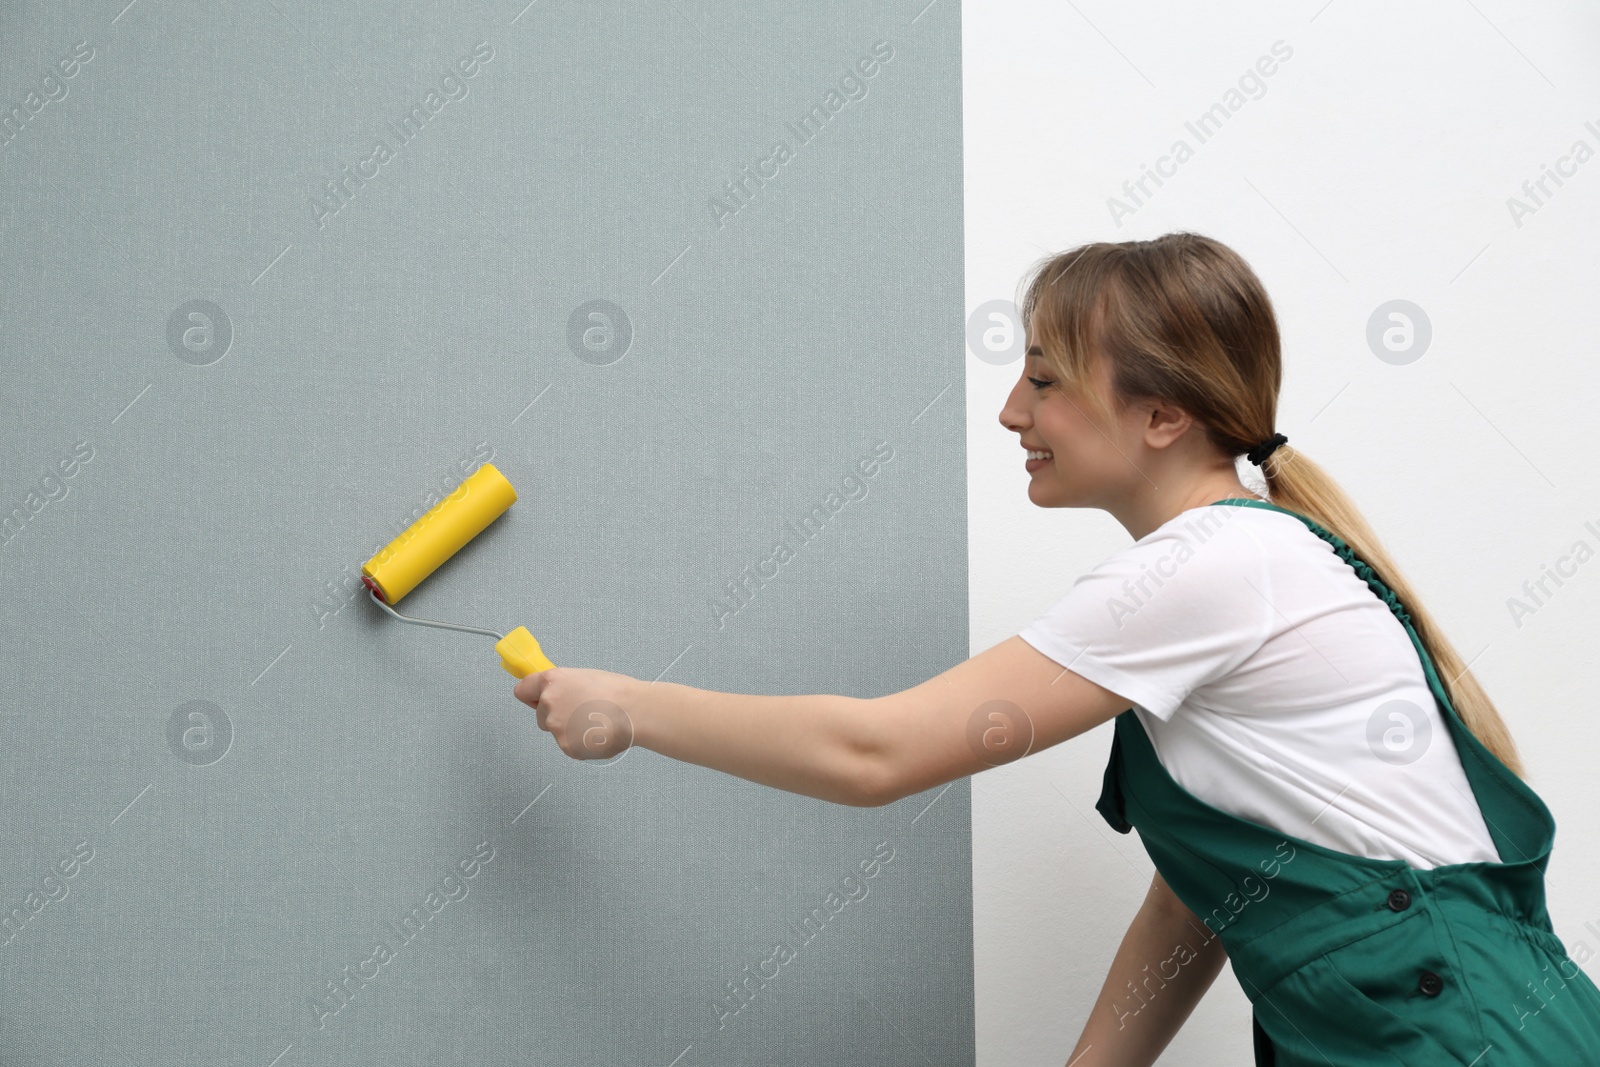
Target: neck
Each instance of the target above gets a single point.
(1148, 514)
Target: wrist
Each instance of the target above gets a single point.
(641, 701)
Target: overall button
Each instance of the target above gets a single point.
(1399, 900)
(1430, 984)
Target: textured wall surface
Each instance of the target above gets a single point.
(274, 277)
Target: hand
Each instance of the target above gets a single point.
(583, 709)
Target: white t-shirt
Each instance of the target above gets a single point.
(1264, 670)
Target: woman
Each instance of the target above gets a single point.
(1330, 800)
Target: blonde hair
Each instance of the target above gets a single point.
(1183, 318)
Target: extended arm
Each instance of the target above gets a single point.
(848, 750)
(1166, 962)
(823, 746)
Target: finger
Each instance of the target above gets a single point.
(529, 689)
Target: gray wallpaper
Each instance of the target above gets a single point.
(274, 277)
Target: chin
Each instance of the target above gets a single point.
(1052, 494)
(1044, 497)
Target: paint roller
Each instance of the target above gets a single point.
(423, 546)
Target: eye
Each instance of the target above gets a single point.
(1041, 383)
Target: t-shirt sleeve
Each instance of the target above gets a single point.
(1166, 615)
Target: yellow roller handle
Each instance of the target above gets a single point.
(520, 654)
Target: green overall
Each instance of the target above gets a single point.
(1349, 960)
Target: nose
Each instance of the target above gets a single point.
(1012, 414)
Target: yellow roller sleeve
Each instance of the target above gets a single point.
(420, 549)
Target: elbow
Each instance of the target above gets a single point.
(873, 787)
(868, 765)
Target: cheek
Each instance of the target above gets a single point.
(1058, 424)
(1068, 421)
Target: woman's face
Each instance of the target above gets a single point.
(1087, 464)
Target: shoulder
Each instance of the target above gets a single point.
(1206, 570)
(1180, 607)
(1201, 548)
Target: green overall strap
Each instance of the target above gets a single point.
(1353, 960)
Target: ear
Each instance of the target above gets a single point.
(1165, 423)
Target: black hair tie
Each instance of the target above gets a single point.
(1259, 454)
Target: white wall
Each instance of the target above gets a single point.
(1376, 165)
